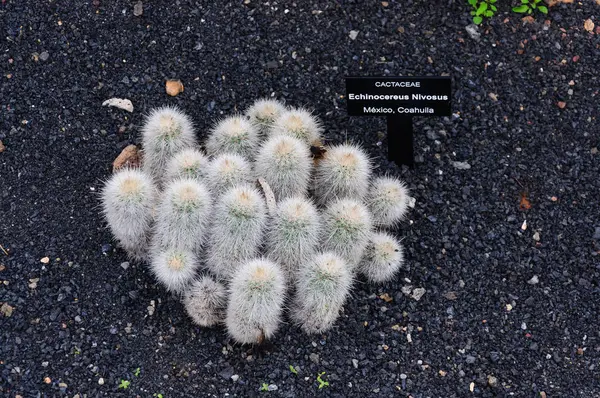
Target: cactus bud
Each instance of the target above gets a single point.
(347, 228)
(263, 114)
(255, 301)
(127, 201)
(175, 268)
(234, 134)
(388, 201)
(285, 163)
(321, 290)
(293, 234)
(226, 171)
(237, 233)
(382, 258)
(166, 131)
(205, 301)
(344, 171)
(188, 163)
(183, 215)
(300, 124)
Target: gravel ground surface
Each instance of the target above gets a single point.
(507, 311)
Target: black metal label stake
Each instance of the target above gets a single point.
(399, 99)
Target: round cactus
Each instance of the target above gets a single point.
(382, 258)
(263, 114)
(205, 301)
(256, 298)
(127, 201)
(188, 163)
(388, 201)
(237, 233)
(321, 290)
(343, 172)
(226, 171)
(183, 215)
(293, 235)
(234, 134)
(175, 268)
(300, 124)
(166, 131)
(347, 227)
(285, 164)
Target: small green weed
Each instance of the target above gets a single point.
(481, 9)
(136, 373)
(293, 370)
(528, 6)
(322, 383)
(124, 384)
(265, 387)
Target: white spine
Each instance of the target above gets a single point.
(256, 298)
(174, 268)
(205, 301)
(188, 163)
(321, 290)
(300, 124)
(383, 257)
(343, 172)
(388, 201)
(166, 131)
(227, 171)
(127, 200)
(234, 134)
(285, 163)
(263, 114)
(293, 234)
(347, 228)
(237, 232)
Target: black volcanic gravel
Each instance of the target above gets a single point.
(480, 324)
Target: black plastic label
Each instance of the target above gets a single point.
(399, 96)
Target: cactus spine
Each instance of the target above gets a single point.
(166, 131)
(226, 171)
(300, 124)
(343, 172)
(293, 235)
(321, 290)
(388, 201)
(263, 114)
(205, 301)
(382, 258)
(347, 228)
(255, 303)
(183, 215)
(285, 163)
(127, 201)
(173, 267)
(237, 235)
(234, 134)
(188, 163)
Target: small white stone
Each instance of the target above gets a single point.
(534, 280)
(235, 378)
(353, 34)
(355, 363)
(101, 381)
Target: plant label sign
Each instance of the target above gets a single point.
(399, 99)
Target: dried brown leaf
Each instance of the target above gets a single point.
(129, 157)
(6, 310)
(386, 297)
(2, 147)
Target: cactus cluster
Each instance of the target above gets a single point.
(233, 249)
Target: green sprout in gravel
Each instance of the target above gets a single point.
(136, 373)
(293, 370)
(264, 387)
(124, 384)
(157, 395)
(481, 9)
(322, 383)
(528, 6)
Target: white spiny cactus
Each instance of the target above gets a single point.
(321, 290)
(175, 268)
(183, 215)
(127, 200)
(166, 131)
(234, 134)
(205, 301)
(256, 298)
(226, 171)
(298, 123)
(239, 231)
(344, 171)
(382, 258)
(293, 234)
(388, 201)
(263, 114)
(285, 164)
(347, 227)
(188, 163)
